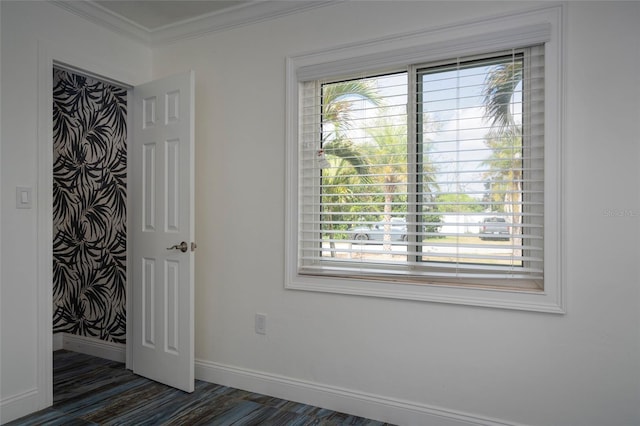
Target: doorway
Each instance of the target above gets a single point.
(175, 101)
(89, 206)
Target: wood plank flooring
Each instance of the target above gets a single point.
(95, 391)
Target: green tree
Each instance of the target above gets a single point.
(504, 178)
(337, 106)
(500, 86)
(349, 165)
(458, 202)
(390, 167)
(505, 172)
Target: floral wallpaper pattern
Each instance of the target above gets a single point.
(89, 207)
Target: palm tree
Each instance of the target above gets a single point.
(350, 165)
(505, 137)
(505, 171)
(499, 88)
(337, 103)
(390, 168)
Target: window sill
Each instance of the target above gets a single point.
(525, 297)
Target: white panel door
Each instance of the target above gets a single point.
(162, 230)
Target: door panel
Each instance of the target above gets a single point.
(162, 173)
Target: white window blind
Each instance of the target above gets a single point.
(429, 174)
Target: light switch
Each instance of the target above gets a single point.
(24, 197)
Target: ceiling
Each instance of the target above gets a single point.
(155, 14)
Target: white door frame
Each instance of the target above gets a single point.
(49, 55)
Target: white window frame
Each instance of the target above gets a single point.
(515, 31)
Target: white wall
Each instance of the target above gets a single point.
(26, 26)
(527, 368)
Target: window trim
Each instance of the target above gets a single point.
(518, 30)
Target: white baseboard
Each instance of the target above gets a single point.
(17, 406)
(93, 346)
(338, 399)
(57, 342)
(330, 397)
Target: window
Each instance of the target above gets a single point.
(425, 178)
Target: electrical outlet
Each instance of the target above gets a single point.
(261, 324)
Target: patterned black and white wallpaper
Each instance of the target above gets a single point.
(89, 207)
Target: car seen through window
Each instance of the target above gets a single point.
(397, 231)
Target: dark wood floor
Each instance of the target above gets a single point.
(95, 391)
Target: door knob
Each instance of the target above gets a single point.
(183, 247)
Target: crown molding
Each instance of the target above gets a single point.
(237, 16)
(244, 14)
(97, 14)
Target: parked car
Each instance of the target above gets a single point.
(398, 231)
(494, 228)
